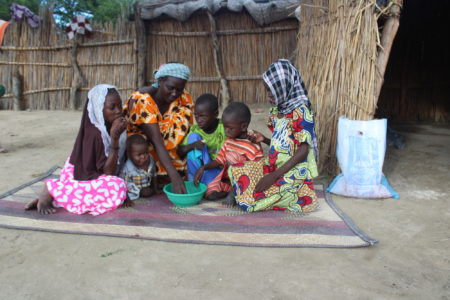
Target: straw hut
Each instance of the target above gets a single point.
(344, 49)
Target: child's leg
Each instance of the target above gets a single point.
(197, 158)
(218, 187)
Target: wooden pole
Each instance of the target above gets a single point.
(224, 91)
(77, 79)
(17, 89)
(141, 41)
(387, 39)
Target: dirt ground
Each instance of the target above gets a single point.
(412, 260)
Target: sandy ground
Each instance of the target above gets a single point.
(412, 260)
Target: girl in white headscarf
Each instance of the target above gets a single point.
(87, 183)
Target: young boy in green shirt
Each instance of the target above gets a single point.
(204, 139)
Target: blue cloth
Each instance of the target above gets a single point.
(197, 158)
(174, 70)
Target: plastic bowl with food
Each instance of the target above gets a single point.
(193, 196)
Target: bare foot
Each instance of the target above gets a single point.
(32, 205)
(230, 200)
(43, 204)
(216, 196)
(127, 203)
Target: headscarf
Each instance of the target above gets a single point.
(289, 90)
(286, 85)
(92, 144)
(172, 69)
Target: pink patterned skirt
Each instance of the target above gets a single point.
(96, 196)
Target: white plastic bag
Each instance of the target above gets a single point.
(360, 151)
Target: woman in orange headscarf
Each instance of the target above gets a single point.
(163, 113)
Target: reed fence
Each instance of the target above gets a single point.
(42, 69)
(227, 54)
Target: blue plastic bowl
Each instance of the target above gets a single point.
(193, 196)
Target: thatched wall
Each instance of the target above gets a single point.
(337, 55)
(42, 60)
(246, 50)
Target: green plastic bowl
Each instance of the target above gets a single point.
(194, 195)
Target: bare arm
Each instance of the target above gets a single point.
(269, 179)
(184, 149)
(154, 134)
(211, 165)
(117, 128)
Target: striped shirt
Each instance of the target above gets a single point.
(234, 151)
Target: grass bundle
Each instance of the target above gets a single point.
(337, 51)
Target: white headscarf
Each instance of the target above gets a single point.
(97, 97)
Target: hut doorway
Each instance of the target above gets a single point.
(417, 78)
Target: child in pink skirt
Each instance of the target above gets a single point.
(87, 183)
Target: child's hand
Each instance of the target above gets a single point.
(198, 145)
(118, 126)
(198, 175)
(255, 136)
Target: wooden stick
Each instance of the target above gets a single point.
(141, 39)
(53, 48)
(47, 90)
(387, 39)
(118, 88)
(224, 91)
(228, 78)
(17, 89)
(107, 43)
(107, 64)
(63, 65)
(225, 32)
(64, 47)
(77, 79)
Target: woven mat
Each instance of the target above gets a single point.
(207, 223)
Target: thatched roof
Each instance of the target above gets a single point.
(262, 11)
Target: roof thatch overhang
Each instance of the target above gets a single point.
(262, 11)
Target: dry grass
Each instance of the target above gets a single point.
(337, 51)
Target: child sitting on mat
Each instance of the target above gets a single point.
(236, 149)
(139, 170)
(204, 139)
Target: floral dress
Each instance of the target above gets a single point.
(174, 124)
(294, 190)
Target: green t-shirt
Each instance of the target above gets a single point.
(213, 140)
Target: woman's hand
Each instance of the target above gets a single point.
(265, 182)
(178, 186)
(198, 175)
(118, 126)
